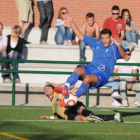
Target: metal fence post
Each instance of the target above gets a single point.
(13, 84)
(87, 98)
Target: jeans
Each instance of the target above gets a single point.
(3, 55)
(126, 44)
(82, 47)
(46, 15)
(121, 86)
(63, 33)
(130, 36)
(15, 57)
(114, 86)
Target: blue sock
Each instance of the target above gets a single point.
(72, 79)
(82, 89)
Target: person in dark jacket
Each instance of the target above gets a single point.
(14, 47)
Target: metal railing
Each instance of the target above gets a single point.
(13, 71)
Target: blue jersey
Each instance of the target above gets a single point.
(104, 58)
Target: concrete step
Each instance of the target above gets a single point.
(33, 35)
(53, 52)
(61, 53)
(32, 94)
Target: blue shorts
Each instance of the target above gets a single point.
(92, 70)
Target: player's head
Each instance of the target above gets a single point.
(62, 13)
(1, 28)
(48, 90)
(115, 11)
(90, 18)
(128, 54)
(106, 37)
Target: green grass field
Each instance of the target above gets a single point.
(23, 123)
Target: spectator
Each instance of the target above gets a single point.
(25, 15)
(64, 31)
(45, 8)
(117, 27)
(125, 83)
(130, 32)
(92, 29)
(3, 55)
(14, 47)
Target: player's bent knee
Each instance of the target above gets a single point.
(86, 79)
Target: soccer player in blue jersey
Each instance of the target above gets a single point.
(97, 73)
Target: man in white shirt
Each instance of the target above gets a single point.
(3, 54)
(125, 83)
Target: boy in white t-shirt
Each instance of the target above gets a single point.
(125, 83)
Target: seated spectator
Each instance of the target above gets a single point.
(124, 83)
(45, 8)
(25, 15)
(117, 27)
(92, 29)
(3, 55)
(64, 31)
(130, 32)
(14, 47)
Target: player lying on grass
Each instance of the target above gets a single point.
(97, 73)
(77, 112)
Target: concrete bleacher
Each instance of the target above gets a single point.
(31, 89)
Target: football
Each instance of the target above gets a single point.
(71, 99)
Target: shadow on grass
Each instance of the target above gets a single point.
(126, 114)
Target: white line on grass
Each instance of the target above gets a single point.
(59, 121)
(104, 110)
(27, 108)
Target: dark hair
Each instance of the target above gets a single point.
(115, 7)
(128, 22)
(1, 24)
(89, 15)
(49, 85)
(106, 31)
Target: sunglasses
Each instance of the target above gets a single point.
(64, 13)
(115, 13)
(128, 54)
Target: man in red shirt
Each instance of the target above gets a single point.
(117, 26)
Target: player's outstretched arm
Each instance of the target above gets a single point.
(48, 117)
(74, 27)
(118, 44)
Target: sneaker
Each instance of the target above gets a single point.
(125, 103)
(44, 43)
(5, 72)
(92, 118)
(82, 60)
(61, 90)
(136, 104)
(116, 95)
(69, 42)
(17, 80)
(116, 103)
(117, 117)
(65, 42)
(7, 80)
